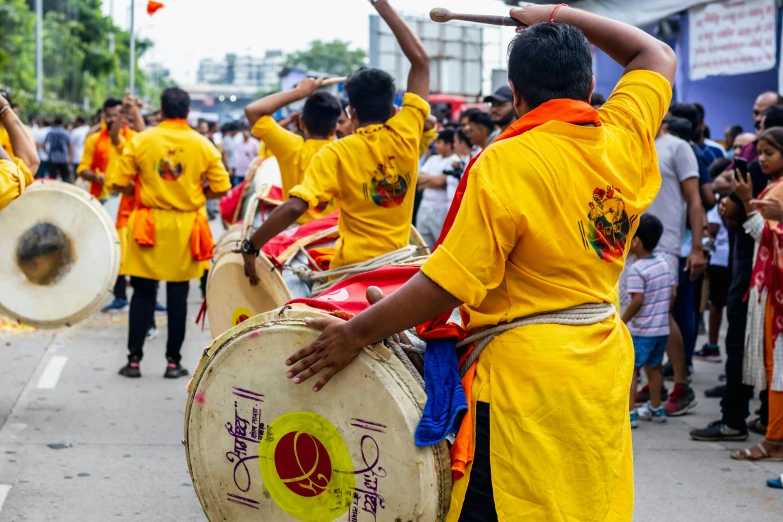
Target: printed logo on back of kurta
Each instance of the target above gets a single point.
(388, 188)
(608, 224)
(170, 166)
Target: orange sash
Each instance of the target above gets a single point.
(202, 245)
(566, 111)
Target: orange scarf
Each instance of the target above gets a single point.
(566, 111)
(202, 245)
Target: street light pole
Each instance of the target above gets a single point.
(39, 88)
(132, 48)
(111, 44)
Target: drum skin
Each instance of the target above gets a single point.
(267, 173)
(231, 299)
(260, 447)
(82, 287)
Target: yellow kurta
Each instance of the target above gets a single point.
(372, 175)
(172, 161)
(88, 159)
(528, 239)
(293, 154)
(14, 178)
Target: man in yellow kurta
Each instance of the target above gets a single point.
(544, 225)
(294, 153)
(18, 157)
(372, 173)
(99, 152)
(169, 238)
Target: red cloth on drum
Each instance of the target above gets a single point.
(283, 241)
(230, 202)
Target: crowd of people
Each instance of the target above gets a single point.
(706, 230)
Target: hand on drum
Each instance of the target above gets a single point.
(250, 268)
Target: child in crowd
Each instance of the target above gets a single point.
(432, 181)
(651, 287)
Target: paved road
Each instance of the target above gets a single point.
(85, 445)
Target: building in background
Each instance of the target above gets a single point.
(262, 74)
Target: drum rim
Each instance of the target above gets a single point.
(294, 315)
(97, 208)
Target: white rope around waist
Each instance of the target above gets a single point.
(580, 315)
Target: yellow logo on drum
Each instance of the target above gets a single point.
(307, 467)
(240, 315)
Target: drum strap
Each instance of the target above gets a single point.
(580, 315)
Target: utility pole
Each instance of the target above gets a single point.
(39, 88)
(132, 49)
(111, 44)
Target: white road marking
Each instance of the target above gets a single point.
(51, 373)
(4, 489)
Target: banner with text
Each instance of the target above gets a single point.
(732, 37)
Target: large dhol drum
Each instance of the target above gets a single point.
(260, 447)
(267, 173)
(59, 256)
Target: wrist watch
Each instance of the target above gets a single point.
(248, 248)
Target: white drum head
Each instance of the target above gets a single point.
(59, 256)
(260, 447)
(230, 298)
(267, 173)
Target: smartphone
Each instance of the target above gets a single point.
(742, 166)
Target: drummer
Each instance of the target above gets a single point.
(294, 153)
(169, 237)
(371, 173)
(99, 152)
(18, 157)
(552, 433)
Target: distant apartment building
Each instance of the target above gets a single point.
(243, 71)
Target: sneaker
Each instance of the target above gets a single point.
(117, 304)
(174, 371)
(159, 308)
(718, 431)
(152, 333)
(717, 392)
(643, 395)
(709, 352)
(131, 370)
(681, 400)
(634, 422)
(648, 413)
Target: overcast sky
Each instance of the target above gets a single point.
(186, 31)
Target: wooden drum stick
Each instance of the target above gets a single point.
(442, 15)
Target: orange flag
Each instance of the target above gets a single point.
(152, 7)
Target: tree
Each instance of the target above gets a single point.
(329, 57)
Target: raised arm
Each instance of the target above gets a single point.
(629, 46)
(21, 140)
(419, 75)
(268, 105)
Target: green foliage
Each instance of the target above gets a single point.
(330, 57)
(77, 61)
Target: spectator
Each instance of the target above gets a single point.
(39, 134)
(501, 110)
(214, 134)
(202, 127)
(729, 136)
(597, 100)
(691, 113)
(718, 273)
(736, 395)
(651, 285)
(433, 181)
(712, 150)
(463, 152)
(464, 118)
(678, 200)
(152, 119)
(78, 136)
(741, 141)
(246, 152)
(57, 145)
(479, 129)
(230, 146)
(765, 316)
(344, 123)
(764, 102)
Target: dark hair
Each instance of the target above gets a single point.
(468, 112)
(719, 166)
(650, 231)
(773, 116)
(111, 102)
(483, 119)
(680, 127)
(58, 120)
(371, 95)
(446, 136)
(174, 103)
(700, 110)
(773, 137)
(597, 99)
(344, 103)
(320, 114)
(690, 113)
(80, 120)
(550, 61)
(462, 136)
(734, 130)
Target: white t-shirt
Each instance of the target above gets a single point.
(40, 135)
(720, 255)
(434, 166)
(78, 137)
(452, 183)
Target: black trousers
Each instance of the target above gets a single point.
(60, 170)
(142, 314)
(120, 288)
(479, 505)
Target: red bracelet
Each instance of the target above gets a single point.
(554, 13)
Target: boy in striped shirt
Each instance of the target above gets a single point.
(651, 287)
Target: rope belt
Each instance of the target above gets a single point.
(321, 279)
(579, 315)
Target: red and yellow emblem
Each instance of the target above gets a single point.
(240, 315)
